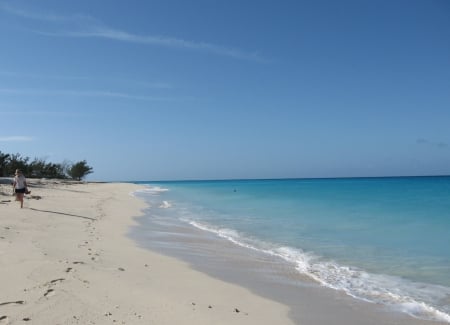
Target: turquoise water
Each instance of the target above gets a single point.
(385, 240)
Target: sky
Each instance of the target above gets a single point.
(228, 89)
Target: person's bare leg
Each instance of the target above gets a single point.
(21, 200)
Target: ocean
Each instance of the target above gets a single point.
(383, 240)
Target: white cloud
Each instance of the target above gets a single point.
(117, 80)
(81, 93)
(27, 112)
(48, 17)
(16, 138)
(109, 33)
(89, 27)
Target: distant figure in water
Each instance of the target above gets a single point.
(20, 186)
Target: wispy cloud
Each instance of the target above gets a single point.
(115, 80)
(81, 93)
(27, 112)
(118, 35)
(40, 76)
(45, 16)
(83, 26)
(15, 138)
(422, 141)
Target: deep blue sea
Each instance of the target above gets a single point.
(385, 240)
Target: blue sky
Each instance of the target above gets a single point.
(158, 90)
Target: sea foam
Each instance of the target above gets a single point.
(151, 190)
(388, 290)
(165, 205)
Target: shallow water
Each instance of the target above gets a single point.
(385, 240)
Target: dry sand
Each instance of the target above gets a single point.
(65, 259)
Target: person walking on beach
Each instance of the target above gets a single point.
(20, 186)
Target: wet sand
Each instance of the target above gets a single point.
(268, 276)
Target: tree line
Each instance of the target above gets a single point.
(40, 168)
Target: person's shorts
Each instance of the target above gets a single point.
(20, 190)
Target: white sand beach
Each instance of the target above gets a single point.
(65, 259)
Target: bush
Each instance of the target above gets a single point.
(79, 170)
(40, 168)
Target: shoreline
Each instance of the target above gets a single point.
(70, 257)
(66, 258)
(268, 276)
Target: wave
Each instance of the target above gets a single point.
(165, 205)
(151, 190)
(425, 301)
(416, 299)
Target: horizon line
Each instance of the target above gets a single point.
(283, 178)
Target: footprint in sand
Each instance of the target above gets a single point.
(83, 244)
(3, 319)
(49, 293)
(54, 281)
(18, 302)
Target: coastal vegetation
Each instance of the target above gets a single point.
(40, 168)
